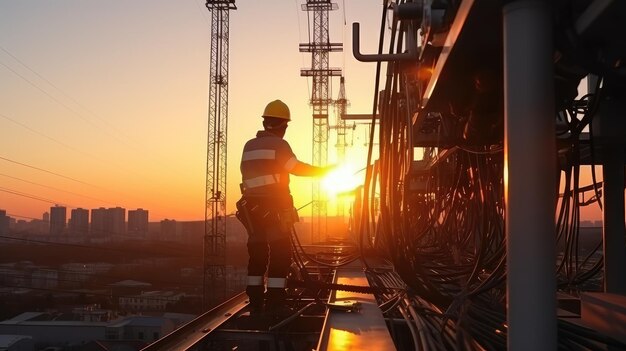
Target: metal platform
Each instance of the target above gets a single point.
(362, 330)
(309, 324)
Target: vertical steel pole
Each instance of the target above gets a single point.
(529, 175)
(609, 131)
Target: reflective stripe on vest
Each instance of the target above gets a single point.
(290, 164)
(276, 282)
(261, 181)
(263, 154)
(255, 280)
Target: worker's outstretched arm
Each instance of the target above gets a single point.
(292, 165)
(307, 170)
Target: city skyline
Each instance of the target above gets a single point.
(96, 114)
(96, 221)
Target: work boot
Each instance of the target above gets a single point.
(255, 295)
(256, 309)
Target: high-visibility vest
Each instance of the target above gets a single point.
(265, 165)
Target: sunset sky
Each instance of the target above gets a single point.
(105, 103)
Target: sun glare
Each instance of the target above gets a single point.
(342, 179)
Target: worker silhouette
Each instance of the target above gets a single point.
(266, 207)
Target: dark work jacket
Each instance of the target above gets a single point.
(265, 165)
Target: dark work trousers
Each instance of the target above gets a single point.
(269, 248)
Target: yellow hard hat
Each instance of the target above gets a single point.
(277, 109)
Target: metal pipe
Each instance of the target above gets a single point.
(410, 46)
(529, 175)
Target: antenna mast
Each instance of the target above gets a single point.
(320, 47)
(214, 287)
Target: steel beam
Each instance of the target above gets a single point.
(192, 334)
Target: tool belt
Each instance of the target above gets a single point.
(258, 212)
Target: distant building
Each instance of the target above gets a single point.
(22, 226)
(108, 221)
(79, 221)
(16, 343)
(45, 223)
(57, 220)
(128, 287)
(43, 278)
(115, 221)
(138, 222)
(98, 218)
(168, 228)
(46, 329)
(149, 300)
(39, 226)
(4, 223)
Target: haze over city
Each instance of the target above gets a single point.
(105, 104)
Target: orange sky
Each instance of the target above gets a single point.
(112, 97)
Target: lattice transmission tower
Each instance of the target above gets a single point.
(214, 281)
(320, 47)
(341, 105)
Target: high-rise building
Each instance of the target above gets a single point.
(79, 221)
(57, 220)
(45, 223)
(4, 223)
(98, 220)
(116, 220)
(168, 228)
(138, 222)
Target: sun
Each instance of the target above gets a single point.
(340, 180)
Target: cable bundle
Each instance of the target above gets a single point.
(440, 221)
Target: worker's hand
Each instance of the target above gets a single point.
(327, 169)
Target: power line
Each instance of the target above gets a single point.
(43, 199)
(302, 54)
(59, 90)
(50, 172)
(91, 156)
(45, 136)
(49, 95)
(34, 197)
(112, 127)
(57, 189)
(26, 217)
(201, 12)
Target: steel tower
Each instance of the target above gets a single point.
(319, 47)
(214, 281)
(341, 105)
